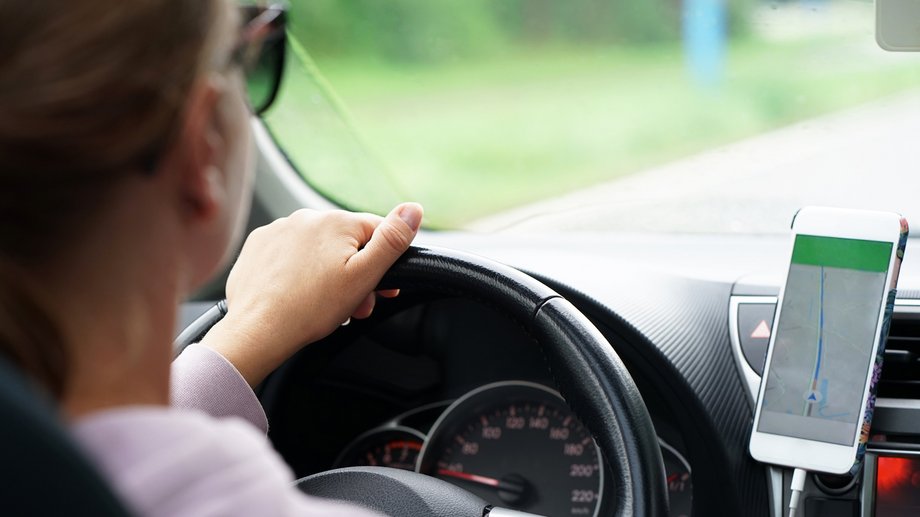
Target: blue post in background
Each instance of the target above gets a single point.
(704, 31)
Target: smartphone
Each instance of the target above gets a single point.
(816, 394)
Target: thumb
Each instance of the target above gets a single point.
(390, 239)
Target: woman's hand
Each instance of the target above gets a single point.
(300, 277)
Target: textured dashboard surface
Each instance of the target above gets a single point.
(680, 336)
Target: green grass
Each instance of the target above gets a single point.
(474, 138)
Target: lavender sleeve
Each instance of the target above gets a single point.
(211, 461)
(166, 462)
(204, 380)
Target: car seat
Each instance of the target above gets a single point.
(43, 472)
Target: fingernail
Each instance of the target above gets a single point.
(411, 214)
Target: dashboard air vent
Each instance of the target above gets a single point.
(901, 370)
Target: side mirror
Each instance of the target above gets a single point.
(897, 25)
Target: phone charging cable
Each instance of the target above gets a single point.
(798, 484)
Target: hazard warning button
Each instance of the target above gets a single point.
(762, 331)
(755, 322)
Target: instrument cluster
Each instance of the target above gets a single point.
(516, 444)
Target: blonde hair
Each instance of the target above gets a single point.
(90, 91)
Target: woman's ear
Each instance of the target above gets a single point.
(203, 179)
(199, 153)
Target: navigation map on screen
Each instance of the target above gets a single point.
(824, 338)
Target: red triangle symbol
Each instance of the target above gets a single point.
(762, 331)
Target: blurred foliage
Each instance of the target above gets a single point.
(739, 17)
(474, 138)
(426, 31)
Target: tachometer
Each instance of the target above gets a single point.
(396, 447)
(680, 483)
(517, 445)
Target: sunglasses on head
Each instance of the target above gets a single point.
(260, 53)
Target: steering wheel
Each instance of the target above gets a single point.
(586, 370)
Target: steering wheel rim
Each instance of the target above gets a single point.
(586, 370)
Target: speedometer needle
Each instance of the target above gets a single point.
(512, 488)
(482, 480)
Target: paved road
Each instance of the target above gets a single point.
(866, 157)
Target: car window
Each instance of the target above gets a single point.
(696, 116)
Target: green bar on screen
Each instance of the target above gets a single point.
(841, 253)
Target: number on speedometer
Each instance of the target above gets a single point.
(517, 445)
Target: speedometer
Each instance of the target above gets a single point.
(517, 445)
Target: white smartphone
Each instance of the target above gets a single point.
(817, 391)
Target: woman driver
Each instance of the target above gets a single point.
(125, 171)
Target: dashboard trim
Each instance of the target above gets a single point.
(751, 379)
(775, 487)
(867, 489)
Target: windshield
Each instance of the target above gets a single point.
(600, 115)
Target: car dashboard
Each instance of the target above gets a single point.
(435, 384)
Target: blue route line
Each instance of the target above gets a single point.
(820, 331)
